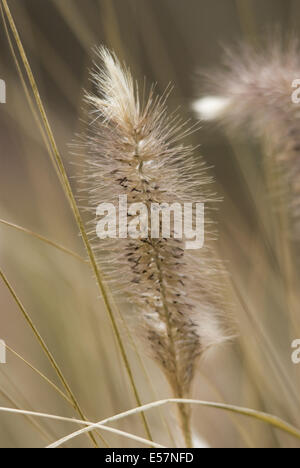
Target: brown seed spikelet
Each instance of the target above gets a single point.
(134, 149)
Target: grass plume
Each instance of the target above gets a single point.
(135, 149)
(253, 94)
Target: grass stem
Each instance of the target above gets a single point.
(74, 207)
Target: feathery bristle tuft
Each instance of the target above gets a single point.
(257, 88)
(135, 150)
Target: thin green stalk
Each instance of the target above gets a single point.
(74, 207)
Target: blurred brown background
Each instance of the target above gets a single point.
(164, 41)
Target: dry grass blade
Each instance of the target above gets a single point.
(273, 421)
(43, 345)
(68, 190)
(56, 388)
(84, 423)
(27, 93)
(78, 257)
(44, 239)
(259, 416)
(29, 418)
(141, 440)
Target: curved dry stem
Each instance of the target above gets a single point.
(273, 421)
(260, 416)
(81, 422)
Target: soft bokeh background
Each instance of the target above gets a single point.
(165, 41)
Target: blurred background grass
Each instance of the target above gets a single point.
(165, 41)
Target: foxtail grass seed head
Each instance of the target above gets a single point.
(134, 153)
(257, 92)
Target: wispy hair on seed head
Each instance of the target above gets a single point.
(137, 150)
(257, 88)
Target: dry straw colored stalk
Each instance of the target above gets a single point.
(133, 148)
(59, 167)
